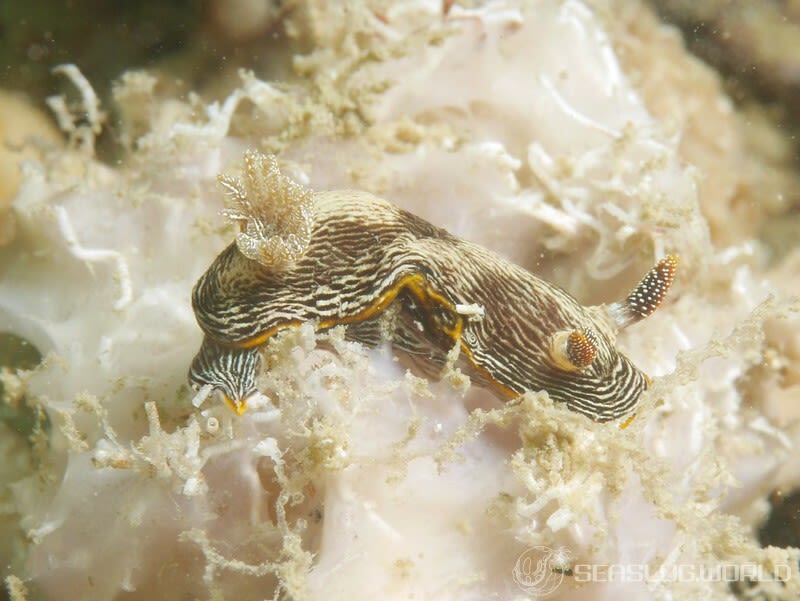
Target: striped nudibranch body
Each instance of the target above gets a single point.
(363, 255)
(229, 369)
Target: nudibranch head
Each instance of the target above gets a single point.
(559, 347)
(614, 389)
(275, 214)
(609, 385)
(230, 371)
(607, 389)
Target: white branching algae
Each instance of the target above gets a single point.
(345, 257)
(512, 125)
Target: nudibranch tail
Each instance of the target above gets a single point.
(647, 296)
(232, 371)
(275, 214)
(573, 350)
(236, 405)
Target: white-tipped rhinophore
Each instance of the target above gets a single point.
(572, 350)
(647, 296)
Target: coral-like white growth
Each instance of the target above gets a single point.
(275, 213)
(511, 124)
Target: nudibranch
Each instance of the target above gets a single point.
(344, 257)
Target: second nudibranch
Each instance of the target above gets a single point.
(344, 257)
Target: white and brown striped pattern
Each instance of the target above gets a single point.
(230, 370)
(365, 255)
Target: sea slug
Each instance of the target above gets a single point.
(345, 257)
